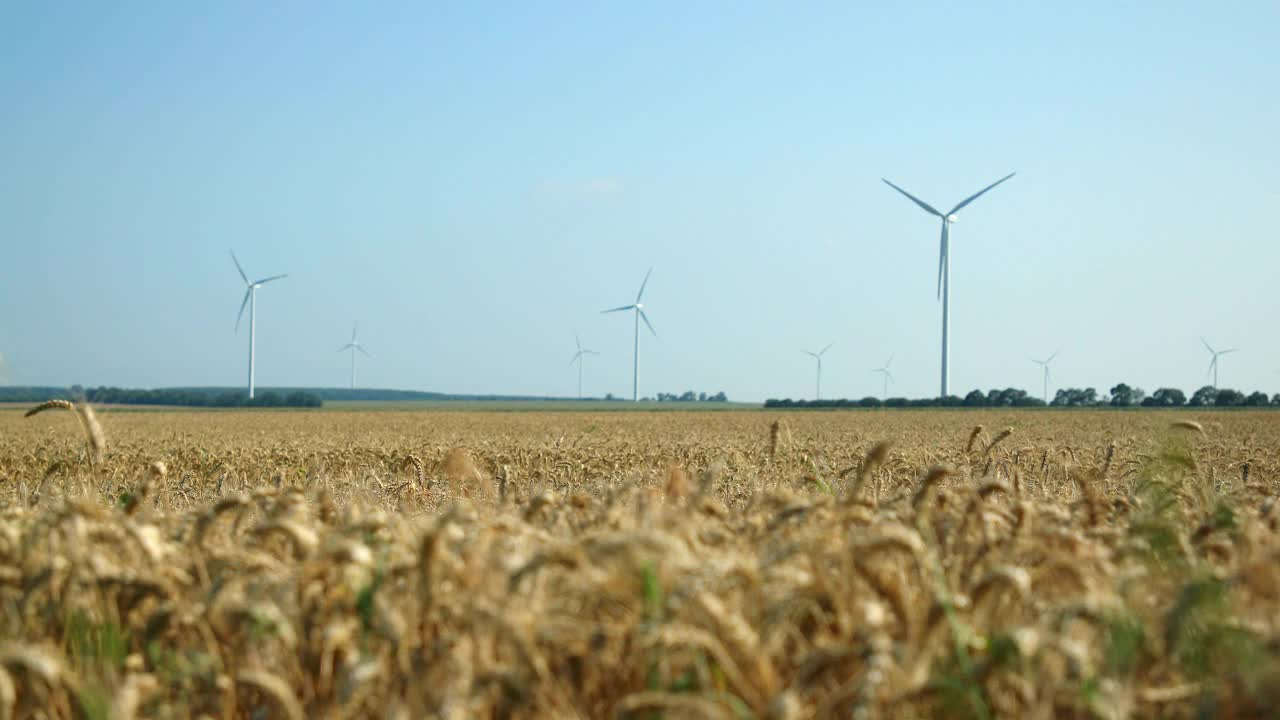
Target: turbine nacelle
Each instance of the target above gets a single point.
(952, 218)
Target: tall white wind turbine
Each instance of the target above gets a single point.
(638, 307)
(817, 393)
(1213, 364)
(944, 267)
(578, 357)
(250, 299)
(1045, 364)
(353, 346)
(888, 376)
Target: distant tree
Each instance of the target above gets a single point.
(1166, 397)
(702, 397)
(267, 399)
(869, 402)
(1075, 397)
(1229, 398)
(302, 399)
(1257, 399)
(1008, 397)
(688, 396)
(1204, 396)
(228, 399)
(720, 397)
(1123, 396)
(609, 396)
(975, 398)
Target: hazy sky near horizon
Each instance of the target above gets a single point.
(473, 182)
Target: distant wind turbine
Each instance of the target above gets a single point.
(578, 357)
(250, 299)
(944, 267)
(888, 376)
(353, 346)
(638, 307)
(817, 394)
(1213, 364)
(1045, 364)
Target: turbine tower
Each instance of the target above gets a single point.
(578, 358)
(1045, 364)
(944, 267)
(1213, 364)
(817, 394)
(250, 299)
(353, 346)
(638, 307)
(888, 376)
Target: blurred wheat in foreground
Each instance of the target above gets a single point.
(456, 565)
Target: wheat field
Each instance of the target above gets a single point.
(748, 564)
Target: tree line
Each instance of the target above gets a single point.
(1122, 395)
(184, 397)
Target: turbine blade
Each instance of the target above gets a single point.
(577, 341)
(590, 352)
(243, 303)
(886, 372)
(828, 347)
(264, 281)
(1228, 350)
(617, 309)
(886, 365)
(575, 357)
(927, 207)
(645, 318)
(942, 256)
(363, 351)
(979, 194)
(810, 354)
(642, 285)
(237, 262)
(1207, 346)
(1051, 357)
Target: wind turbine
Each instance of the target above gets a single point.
(1045, 364)
(578, 358)
(887, 376)
(944, 266)
(250, 299)
(1213, 364)
(353, 346)
(818, 356)
(638, 307)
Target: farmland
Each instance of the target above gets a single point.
(639, 564)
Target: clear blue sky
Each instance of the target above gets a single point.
(475, 181)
